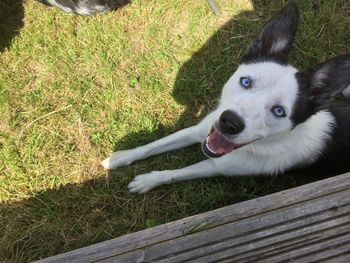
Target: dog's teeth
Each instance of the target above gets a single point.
(208, 147)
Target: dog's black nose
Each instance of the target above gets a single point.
(231, 123)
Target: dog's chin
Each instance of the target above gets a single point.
(217, 145)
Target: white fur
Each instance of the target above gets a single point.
(180, 139)
(320, 77)
(279, 45)
(274, 146)
(273, 84)
(299, 147)
(268, 156)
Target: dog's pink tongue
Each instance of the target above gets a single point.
(219, 144)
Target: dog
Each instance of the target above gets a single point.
(271, 118)
(86, 7)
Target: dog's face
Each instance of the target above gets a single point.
(256, 102)
(266, 96)
(262, 96)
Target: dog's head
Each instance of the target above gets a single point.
(266, 96)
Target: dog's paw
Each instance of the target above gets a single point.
(145, 182)
(118, 159)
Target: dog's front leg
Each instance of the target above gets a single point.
(180, 139)
(240, 162)
(145, 182)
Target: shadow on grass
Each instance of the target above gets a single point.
(76, 215)
(11, 21)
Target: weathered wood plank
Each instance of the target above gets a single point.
(316, 252)
(136, 256)
(332, 191)
(252, 229)
(344, 258)
(262, 235)
(312, 245)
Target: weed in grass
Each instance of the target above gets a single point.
(72, 89)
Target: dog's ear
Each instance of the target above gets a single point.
(276, 38)
(328, 79)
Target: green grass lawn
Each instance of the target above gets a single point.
(73, 89)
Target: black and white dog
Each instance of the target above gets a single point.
(271, 117)
(86, 7)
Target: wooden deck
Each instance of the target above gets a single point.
(310, 223)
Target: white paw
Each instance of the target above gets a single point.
(145, 182)
(118, 159)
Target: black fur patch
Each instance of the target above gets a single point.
(318, 93)
(328, 79)
(318, 87)
(279, 29)
(303, 107)
(335, 158)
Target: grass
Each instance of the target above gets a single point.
(73, 89)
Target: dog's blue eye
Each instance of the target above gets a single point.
(245, 82)
(279, 111)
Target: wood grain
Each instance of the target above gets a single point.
(301, 224)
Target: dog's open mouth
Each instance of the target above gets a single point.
(216, 145)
